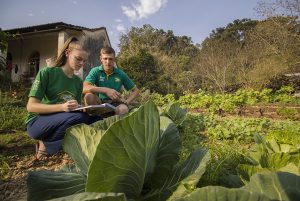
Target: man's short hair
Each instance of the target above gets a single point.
(107, 50)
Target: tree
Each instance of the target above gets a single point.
(249, 53)
(3, 47)
(141, 68)
(277, 45)
(270, 8)
(172, 56)
(217, 61)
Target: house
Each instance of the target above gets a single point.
(35, 47)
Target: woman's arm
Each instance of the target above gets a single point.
(35, 105)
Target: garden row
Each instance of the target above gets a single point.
(167, 154)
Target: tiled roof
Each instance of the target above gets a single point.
(50, 26)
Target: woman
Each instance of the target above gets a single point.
(55, 92)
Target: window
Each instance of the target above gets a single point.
(34, 64)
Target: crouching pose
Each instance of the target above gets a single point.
(55, 92)
(104, 83)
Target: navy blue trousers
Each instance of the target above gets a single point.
(51, 128)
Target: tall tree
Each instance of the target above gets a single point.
(217, 61)
(172, 55)
(142, 68)
(277, 45)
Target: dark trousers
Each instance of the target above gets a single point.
(51, 128)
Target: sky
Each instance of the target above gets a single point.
(192, 18)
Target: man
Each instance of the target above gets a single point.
(107, 80)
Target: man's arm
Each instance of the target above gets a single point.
(133, 94)
(111, 93)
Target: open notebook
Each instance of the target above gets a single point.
(101, 109)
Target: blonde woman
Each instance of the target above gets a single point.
(55, 92)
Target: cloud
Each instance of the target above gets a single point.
(143, 9)
(121, 28)
(30, 14)
(74, 2)
(118, 20)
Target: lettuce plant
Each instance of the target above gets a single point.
(270, 156)
(133, 157)
(275, 186)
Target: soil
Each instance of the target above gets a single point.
(21, 160)
(255, 111)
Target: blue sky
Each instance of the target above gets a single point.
(193, 18)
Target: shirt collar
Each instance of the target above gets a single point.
(114, 70)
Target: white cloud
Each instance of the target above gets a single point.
(143, 9)
(74, 2)
(121, 28)
(118, 20)
(30, 14)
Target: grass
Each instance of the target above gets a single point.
(13, 144)
(15, 139)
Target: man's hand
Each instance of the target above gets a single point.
(113, 94)
(69, 105)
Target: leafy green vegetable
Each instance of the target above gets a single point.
(136, 155)
(269, 186)
(269, 156)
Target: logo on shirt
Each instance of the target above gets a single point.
(102, 79)
(35, 84)
(117, 79)
(65, 96)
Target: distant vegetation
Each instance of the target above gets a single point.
(244, 54)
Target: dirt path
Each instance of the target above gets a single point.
(14, 188)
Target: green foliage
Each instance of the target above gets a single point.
(3, 46)
(234, 31)
(161, 100)
(156, 40)
(266, 187)
(245, 53)
(12, 113)
(288, 113)
(12, 117)
(233, 102)
(9, 139)
(226, 156)
(175, 113)
(238, 129)
(4, 169)
(166, 59)
(141, 68)
(287, 136)
(267, 156)
(265, 96)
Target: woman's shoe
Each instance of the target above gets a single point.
(40, 155)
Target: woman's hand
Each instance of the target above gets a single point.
(69, 105)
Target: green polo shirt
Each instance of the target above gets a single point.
(116, 80)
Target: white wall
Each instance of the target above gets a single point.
(22, 48)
